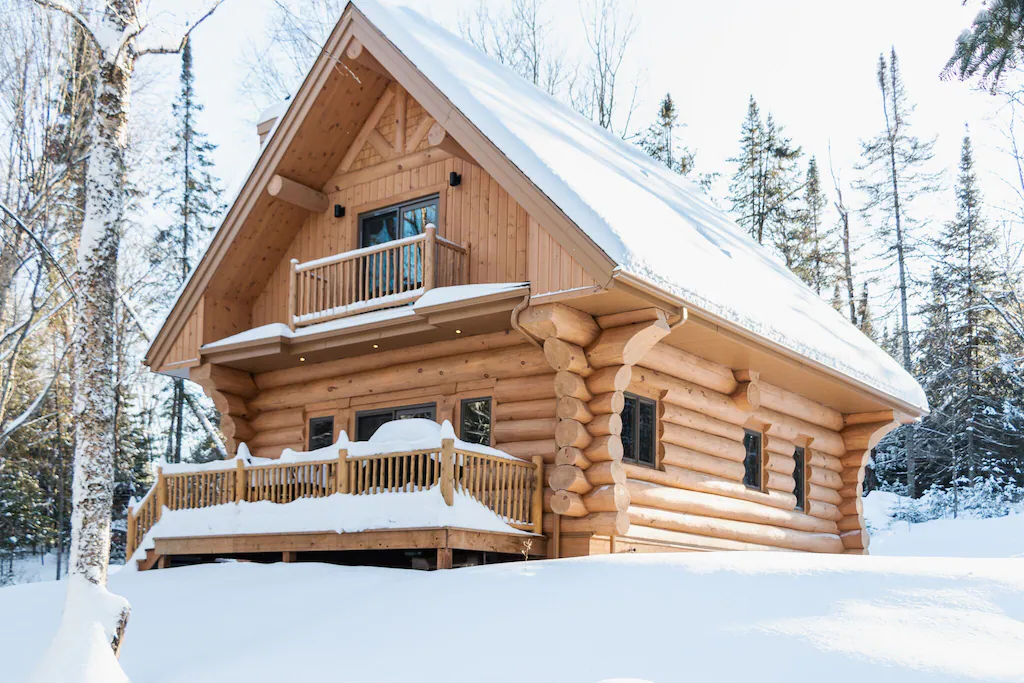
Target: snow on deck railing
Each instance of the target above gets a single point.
(509, 487)
(386, 274)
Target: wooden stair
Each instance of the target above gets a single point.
(149, 561)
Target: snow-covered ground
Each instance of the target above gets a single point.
(32, 568)
(699, 617)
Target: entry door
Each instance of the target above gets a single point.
(368, 422)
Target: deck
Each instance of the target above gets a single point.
(509, 488)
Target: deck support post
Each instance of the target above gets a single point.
(444, 558)
(161, 492)
(241, 485)
(341, 484)
(293, 293)
(429, 257)
(448, 471)
(556, 538)
(289, 556)
(537, 500)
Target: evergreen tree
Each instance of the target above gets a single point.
(992, 46)
(821, 269)
(660, 142)
(193, 197)
(837, 298)
(864, 317)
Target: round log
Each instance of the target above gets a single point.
(572, 408)
(524, 430)
(774, 444)
(601, 523)
(747, 397)
(572, 433)
(824, 494)
(612, 402)
(780, 463)
(525, 450)
(691, 396)
(604, 425)
(524, 410)
(710, 505)
(569, 384)
(625, 345)
(677, 456)
(565, 357)
(824, 477)
(571, 456)
(568, 503)
(613, 498)
(829, 462)
(776, 481)
(568, 478)
(701, 441)
(604, 449)
(685, 365)
(279, 419)
(561, 321)
(516, 389)
(605, 473)
(668, 412)
(708, 483)
(795, 430)
(277, 437)
(783, 401)
(607, 380)
(822, 510)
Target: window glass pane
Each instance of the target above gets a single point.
(629, 428)
(476, 421)
(416, 218)
(645, 436)
(321, 432)
(366, 425)
(379, 229)
(425, 412)
(752, 462)
(799, 476)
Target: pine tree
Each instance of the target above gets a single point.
(823, 254)
(837, 298)
(992, 46)
(193, 197)
(660, 142)
(864, 317)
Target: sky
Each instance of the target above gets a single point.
(811, 63)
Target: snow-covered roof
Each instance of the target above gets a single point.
(655, 224)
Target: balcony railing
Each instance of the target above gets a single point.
(375, 277)
(512, 489)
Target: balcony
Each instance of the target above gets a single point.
(384, 275)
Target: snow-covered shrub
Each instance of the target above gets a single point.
(981, 497)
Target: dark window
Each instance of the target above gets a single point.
(638, 425)
(476, 421)
(800, 476)
(368, 422)
(752, 462)
(321, 432)
(397, 222)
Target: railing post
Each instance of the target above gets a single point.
(465, 263)
(161, 493)
(341, 473)
(537, 502)
(448, 470)
(129, 542)
(241, 484)
(293, 293)
(429, 256)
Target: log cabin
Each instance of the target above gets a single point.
(427, 235)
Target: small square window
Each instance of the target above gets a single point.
(752, 461)
(321, 432)
(639, 422)
(475, 421)
(800, 477)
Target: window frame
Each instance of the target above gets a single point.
(634, 457)
(309, 429)
(759, 460)
(490, 417)
(397, 208)
(393, 410)
(800, 485)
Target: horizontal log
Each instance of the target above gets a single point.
(601, 523)
(709, 483)
(747, 396)
(566, 357)
(349, 366)
(270, 452)
(531, 388)
(640, 315)
(613, 498)
(690, 396)
(685, 365)
(855, 541)
(677, 456)
(568, 503)
(560, 321)
(524, 430)
(572, 433)
(829, 462)
(605, 473)
(824, 494)
(678, 415)
(611, 402)
(746, 532)
(625, 345)
(822, 510)
(773, 444)
(228, 380)
(279, 419)
(524, 410)
(570, 384)
(568, 478)
(701, 441)
(604, 425)
(525, 450)
(710, 505)
(521, 361)
(782, 464)
(297, 194)
(604, 449)
(776, 481)
(824, 477)
(607, 380)
(786, 402)
(277, 437)
(571, 456)
(238, 429)
(851, 506)
(661, 539)
(795, 430)
(572, 408)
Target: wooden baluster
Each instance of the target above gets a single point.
(537, 501)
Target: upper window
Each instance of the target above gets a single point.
(321, 432)
(800, 477)
(369, 421)
(475, 421)
(639, 419)
(397, 222)
(752, 461)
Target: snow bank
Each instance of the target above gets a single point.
(698, 618)
(652, 222)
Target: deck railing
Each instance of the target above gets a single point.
(512, 489)
(374, 277)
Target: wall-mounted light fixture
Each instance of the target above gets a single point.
(454, 179)
(339, 211)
